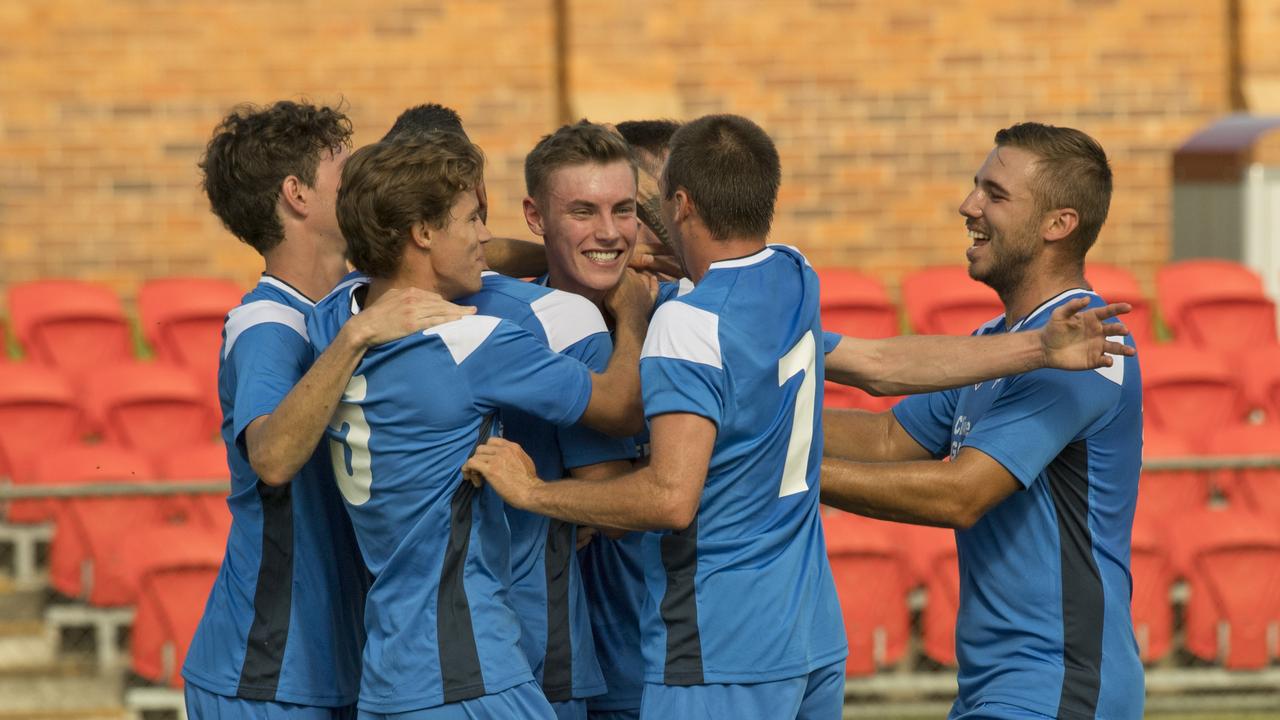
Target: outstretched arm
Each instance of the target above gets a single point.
(1072, 340)
(280, 443)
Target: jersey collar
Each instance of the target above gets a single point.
(1048, 304)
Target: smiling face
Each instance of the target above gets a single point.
(587, 218)
(1003, 218)
(457, 249)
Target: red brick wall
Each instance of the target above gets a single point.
(882, 110)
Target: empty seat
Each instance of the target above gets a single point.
(946, 301)
(836, 395)
(149, 406)
(38, 409)
(1153, 577)
(1216, 304)
(855, 304)
(182, 319)
(876, 618)
(1162, 492)
(70, 324)
(942, 604)
(1186, 390)
(1256, 488)
(1259, 372)
(201, 461)
(171, 601)
(1115, 285)
(121, 561)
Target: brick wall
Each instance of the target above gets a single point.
(882, 110)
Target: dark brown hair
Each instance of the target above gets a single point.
(577, 144)
(730, 169)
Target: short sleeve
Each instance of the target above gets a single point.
(580, 445)
(681, 367)
(1038, 415)
(928, 418)
(509, 368)
(268, 359)
(829, 341)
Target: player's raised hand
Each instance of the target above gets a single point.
(403, 311)
(652, 256)
(1077, 339)
(506, 466)
(631, 300)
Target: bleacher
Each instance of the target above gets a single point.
(130, 545)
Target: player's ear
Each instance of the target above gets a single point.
(533, 217)
(420, 233)
(1059, 224)
(293, 197)
(683, 205)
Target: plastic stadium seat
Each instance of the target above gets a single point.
(836, 395)
(1260, 375)
(182, 319)
(202, 461)
(876, 618)
(920, 546)
(1153, 577)
(938, 621)
(70, 324)
(1169, 491)
(1233, 609)
(86, 526)
(120, 562)
(1256, 488)
(38, 409)
(1116, 284)
(148, 406)
(1186, 390)
(855, 304)
(1216, 304)
(170, 603)
(946, 301)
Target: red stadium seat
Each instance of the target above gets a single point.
(202, 461)
(938, 621)
(946, 301)
(1233, 610)
(1161, 493)
(1216, 304)
(70, 324)
(1258, 489)
(170, 603)
(38, 410)
(120, 562)
(182, 319)
(149, 406)
(1260, 376)
(920, 546)
(1153, 576)
(1116, 284)
(836, 395)
(876, 618)
(855, 304)
(1186, 390)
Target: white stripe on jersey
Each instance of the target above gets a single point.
(464, 335)
(567, 318)
(286, 288)
(683, 332)
(261, 311)
(747, 261)
(685, 287)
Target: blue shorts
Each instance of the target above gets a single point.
(522, 701)
(816, 696)
(997, 711)
(633, 714)
(570, 710)
(205, 705)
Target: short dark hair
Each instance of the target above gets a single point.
(730, 169)
(1071, 172)
(388, 186)
(423, 119)
(577, 144)
(251, 153)
(651, 136)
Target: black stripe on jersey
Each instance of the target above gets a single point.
(1082, 598)
(680, 607)
(459, 657)
(272, 597)
(557, 667)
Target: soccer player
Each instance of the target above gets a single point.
(442, 639)
(1043, 477)
(262, 649)
(742, 619)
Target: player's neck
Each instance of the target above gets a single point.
(703, 251)
(1039, 286)
(308, 266)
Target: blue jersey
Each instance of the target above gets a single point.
(546, 583)
(284, 619)
(1044, 576)
(439, 624)
(744, 594)
(614, 579)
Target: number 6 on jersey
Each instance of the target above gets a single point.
(355, 476)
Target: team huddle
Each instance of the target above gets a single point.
(596, 494)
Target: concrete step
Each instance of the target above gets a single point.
(63, 696)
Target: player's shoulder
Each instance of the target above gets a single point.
(562, 318)
(271, 305)
(685, 329)
(464, 336)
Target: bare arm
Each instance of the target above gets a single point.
(600, 471)
(867, 437)
(1073, 340)
(517, 258)
(948, 494)
(616, 407)
(664, 495)
(281, 442)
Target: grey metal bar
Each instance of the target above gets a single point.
(162, 487)
(1219, 462)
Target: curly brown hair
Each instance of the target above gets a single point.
(388, 186)
(251, 153)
